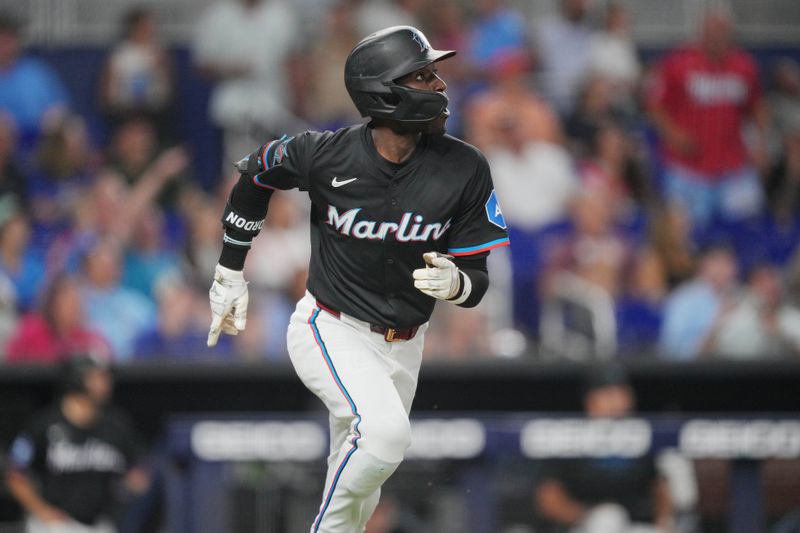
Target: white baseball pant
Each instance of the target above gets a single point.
(368, 385)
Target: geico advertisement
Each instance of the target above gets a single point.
(533, 437)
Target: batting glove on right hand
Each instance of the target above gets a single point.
(228, 297)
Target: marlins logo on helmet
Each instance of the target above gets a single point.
(423, 44)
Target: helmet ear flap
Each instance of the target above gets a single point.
(392, 100)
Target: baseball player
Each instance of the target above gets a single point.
(79, 450)
(402, 216)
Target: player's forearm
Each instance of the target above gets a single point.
(664, 509)
(23, 491)
(479, 284)
(231, 256)
(475, 269)
(244, 214)
(555, 504)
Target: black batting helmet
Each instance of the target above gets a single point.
(73, 372)
(374, 65)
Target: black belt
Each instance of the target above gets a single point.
(389, 334)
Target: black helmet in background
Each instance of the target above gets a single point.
(378, 61)
(86, 374)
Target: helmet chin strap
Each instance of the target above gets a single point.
(413, 103)
(417, 105)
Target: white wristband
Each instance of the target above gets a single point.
(466, 289)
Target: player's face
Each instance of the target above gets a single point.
(427, 79)
(613, 401)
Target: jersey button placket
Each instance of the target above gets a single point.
(394, 202)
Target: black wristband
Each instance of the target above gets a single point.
(232, 256)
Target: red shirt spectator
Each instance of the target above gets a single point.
(58, 331)
(36, 341)
(708, 99)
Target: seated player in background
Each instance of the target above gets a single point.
(63, 469)
(605, 494)
(402, 216)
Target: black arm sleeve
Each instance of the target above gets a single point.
(266, 170)
(232, 257)
(248, 202)
(474, 266)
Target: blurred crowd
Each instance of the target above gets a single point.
(652, 205)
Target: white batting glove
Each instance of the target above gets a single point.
(228, 297)
(441, 278)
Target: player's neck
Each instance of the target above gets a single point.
(394, 147)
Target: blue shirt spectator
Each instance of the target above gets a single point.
(497, 30)
(20, 263)
(28, 280)
(188, 346)
(148, 260)
(143, 271)
(182, 327)
(638, 325)
(119, 314)
(28, 90)
(640, 309)
(61, 177)
(695, 309)
(689, 316)
(29, 87)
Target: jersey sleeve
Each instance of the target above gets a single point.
(27, 450)
(284, 163)
(22, 453)
(479, 225)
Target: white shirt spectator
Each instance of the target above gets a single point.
(745, 335)
(138, 77)
(536, 185)
(563, 49)
(290, 245)
(614, 57)
(258, 40)
(374, 15)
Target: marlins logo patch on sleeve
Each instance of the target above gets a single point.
(493, 212)
(21, 452)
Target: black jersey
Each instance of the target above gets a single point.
(371, 220)
(592, 481)
(77, 468)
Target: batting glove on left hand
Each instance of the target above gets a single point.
(441, 278)
(228, 297)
